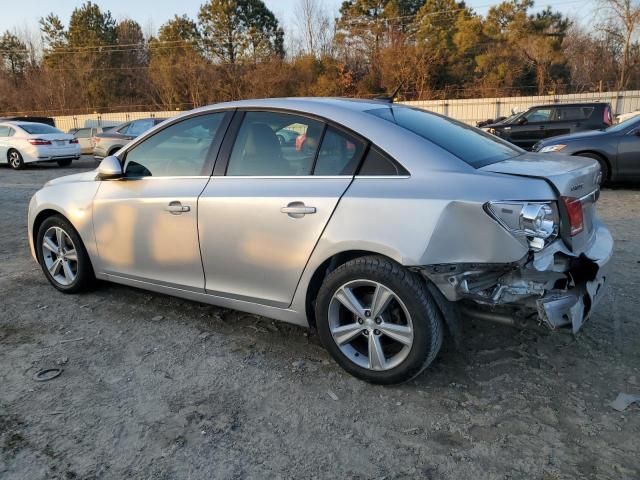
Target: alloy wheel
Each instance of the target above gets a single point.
(14, 159)
(370, 324)
(60, 256)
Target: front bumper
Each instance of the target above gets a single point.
(555, 287)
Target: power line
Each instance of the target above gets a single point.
(169, 44)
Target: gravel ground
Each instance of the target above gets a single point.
(163, 388)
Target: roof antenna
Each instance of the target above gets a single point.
(394, 94)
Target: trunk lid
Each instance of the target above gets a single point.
(56, 139)
(575, 177)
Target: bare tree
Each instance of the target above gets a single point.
(622, 21)
(315, 28)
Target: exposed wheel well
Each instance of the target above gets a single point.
(113, 151)
(41, 217)
(600, 156)
(322, 271)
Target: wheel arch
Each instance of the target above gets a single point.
(326, 267)
(600, 155)
(39, 220)
(113, 150)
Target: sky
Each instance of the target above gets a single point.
(25, 14)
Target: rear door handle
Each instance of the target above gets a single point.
(176, 208)
(297, 209)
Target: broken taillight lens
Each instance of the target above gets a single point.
(573, 207)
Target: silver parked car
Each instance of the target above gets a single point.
(85, 135)
(111, 139)
(387, 229)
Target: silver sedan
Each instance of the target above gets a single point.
(386, 229)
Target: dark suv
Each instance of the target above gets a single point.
(545, 121)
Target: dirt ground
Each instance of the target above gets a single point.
(156, 387)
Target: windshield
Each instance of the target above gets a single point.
(628, 123)
(38, 128)
(469, 144)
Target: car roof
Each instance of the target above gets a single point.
(20, 123)
(580, 104)
(303, 104)
(403, 145)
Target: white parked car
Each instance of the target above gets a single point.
(626, 116)
(29, 142)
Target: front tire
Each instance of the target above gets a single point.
(64, 163)
(62, 256)
(378, 320)
(15, 159)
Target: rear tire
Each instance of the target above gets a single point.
(64, 163)
(604, 166)
(15, 159)
(62, 256)
(400, 342)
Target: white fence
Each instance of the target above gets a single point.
(466, 110)
(67, 122)
(476, 109)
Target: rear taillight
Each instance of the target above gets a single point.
(39, 141)
(607, 116)
(73, 140)
(573, 207)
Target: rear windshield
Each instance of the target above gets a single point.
(38, 128)
(469, 144)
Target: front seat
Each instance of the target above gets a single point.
(261, 154)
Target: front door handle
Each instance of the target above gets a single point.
(297, 210)
(176, 208)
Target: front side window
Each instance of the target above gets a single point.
(123, 129)
(181, 149)
(469, 144)
(83, 133)
(258, 150)
(339, 154)
(139, 127)
(539, 115)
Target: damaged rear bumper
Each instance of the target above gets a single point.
(554, 287)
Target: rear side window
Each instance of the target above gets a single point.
(261, 150)
(339, 154)
(469, 144)
(377, 163)
(83, 133)
(4, 131)
(574, 113)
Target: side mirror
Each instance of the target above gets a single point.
(110, 168)
(522, 121)
(637, 133)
